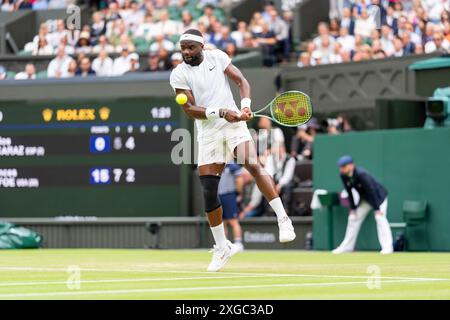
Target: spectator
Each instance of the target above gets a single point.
(122, 63)
(187, 21)
(323, 31)
(408, 46)
(325, 48)
(43, 48)
(334, 28)
(268, 136)
(335, 56)
(24, 4)
(2, 73)
(238, 35)
(281, 30)
(98, 27)
(348, 21)
(398, 47)
(231, 50)
(58, 34)
(153, 62)
(167, 26)
(103, 64)
(135, 16)
(125, 41)
(84, 44)
(304, 60)
(364, 25)
(256, 22)
(266, 40)
(146, 30)
(346, 40)
(439, 43)
(134, 63)
(249, 42)
(28, 74)
(302, 141)
(59, 66)
(7, 6)
(225, 39)
(162, 42)
(103, 45)
(72, 69)
(208, 13)
(391, 20)
(85, 69)
(164, 59)
(176, 59)
(386, 40)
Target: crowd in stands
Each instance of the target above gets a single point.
(128, 28)
(14, 5)
(376, 29)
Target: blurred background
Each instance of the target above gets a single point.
(88, 121)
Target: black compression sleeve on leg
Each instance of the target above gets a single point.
(210, 184)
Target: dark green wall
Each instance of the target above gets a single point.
(413, 164)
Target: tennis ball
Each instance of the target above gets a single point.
(181, 98)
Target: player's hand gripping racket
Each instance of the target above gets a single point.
(291, 109)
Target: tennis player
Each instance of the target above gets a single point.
(222, 133)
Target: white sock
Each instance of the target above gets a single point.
(219, 235)
(277, 206)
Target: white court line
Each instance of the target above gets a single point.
(35, 283)
(222, 273)
(105, 292)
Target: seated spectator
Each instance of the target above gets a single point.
(325, 48)
(346, 40)
(103, 64)
(122, 63)
(2, 73)
(281, 167)
(439, 43)
(176, 58)
(166, 26)
(134, 63)
(304, 60)
(347, 20)
(281, 30)
(98, 27)
(146, 30)
(398, 47)
(42, 33)
(302, 141)
(238, 35)
(24, 4)
(364, 24)
(28, 74)
(266, 40)
(84, 68)
(58, 34)
(103, 45)
(164, 59)
(335, 56)
(334, 28)
(187, 21)
(208, 13)
(268, 136)
(386, 38)
(249, 42)
(231, 50)
(7, 6)
(323, 31)
(43, 48)
(225, 39)
(84, 43)
(391, 20)
(256, 23)
(125, 41)
(72, 69)
(153, 62)
(134, 17)
(59, 66)
(162, 42)
(408, 46)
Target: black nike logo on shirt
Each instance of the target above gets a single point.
(211, 69)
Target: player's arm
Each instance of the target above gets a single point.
(197, 112)
(244, 89)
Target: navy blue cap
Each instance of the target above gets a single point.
(344, 160)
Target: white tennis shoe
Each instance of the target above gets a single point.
(287, 232)
(221, 256)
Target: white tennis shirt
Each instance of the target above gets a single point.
(209, 85)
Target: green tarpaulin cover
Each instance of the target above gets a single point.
(16, 237)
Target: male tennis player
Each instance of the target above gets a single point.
(222, 133)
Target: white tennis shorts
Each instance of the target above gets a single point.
(218, 146)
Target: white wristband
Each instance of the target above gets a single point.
(212, 114)
(246, 103)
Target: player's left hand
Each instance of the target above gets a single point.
(246, 114)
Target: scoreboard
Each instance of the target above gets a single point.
(102, 158)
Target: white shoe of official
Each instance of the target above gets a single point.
(340, 250)
(221, 256)
(287, 232)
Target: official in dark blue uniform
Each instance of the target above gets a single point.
(373, 196)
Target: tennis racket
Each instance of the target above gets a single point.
(291, 109)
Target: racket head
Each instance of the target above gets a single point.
(291, 108)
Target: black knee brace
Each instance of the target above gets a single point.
(210, 184)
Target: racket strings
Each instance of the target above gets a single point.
(292, 109)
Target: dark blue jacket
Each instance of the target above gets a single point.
(368, 188)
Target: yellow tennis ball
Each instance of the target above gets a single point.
(181, 98)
